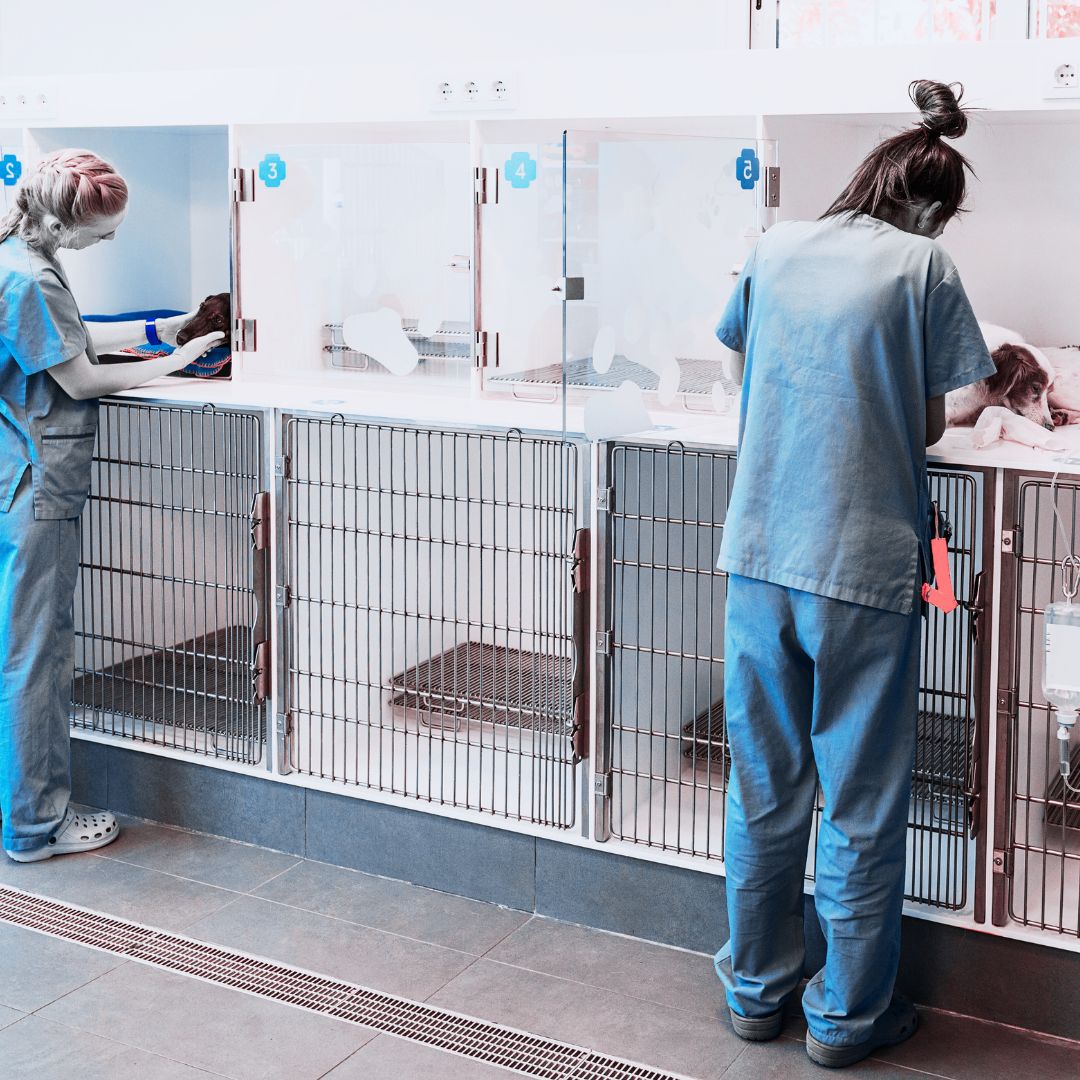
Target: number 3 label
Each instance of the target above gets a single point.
(272, 170)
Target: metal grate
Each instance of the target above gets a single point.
(412, 1020)
(169, 601)
(696, 376)
(1043, 844)
(436, 621)
(662, 606)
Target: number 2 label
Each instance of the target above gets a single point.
(10, 170)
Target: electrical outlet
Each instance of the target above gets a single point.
(487, 93)
(1065, 81)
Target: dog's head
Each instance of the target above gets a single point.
(1021, 382)
(214, 316)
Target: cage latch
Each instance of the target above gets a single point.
(260, 679)
(260, 521)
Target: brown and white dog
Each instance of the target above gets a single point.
(1040, 387)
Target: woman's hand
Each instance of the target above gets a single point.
(167, 329)
(194, 348)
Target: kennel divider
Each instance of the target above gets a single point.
(172, 636)
(1036, 856)
(434, 585)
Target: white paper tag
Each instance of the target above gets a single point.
(1062, 657)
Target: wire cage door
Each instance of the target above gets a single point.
(662, 751)
(436, 603)
(170, 610)
(1037, 839)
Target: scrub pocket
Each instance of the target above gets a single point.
(62, 480)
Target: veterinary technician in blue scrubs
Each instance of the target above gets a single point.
(853, 328)
(49, 386)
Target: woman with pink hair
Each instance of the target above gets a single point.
(49, 385)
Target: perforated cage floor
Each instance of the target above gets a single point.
(476, 682)
(203, 683)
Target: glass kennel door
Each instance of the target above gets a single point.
(655, 231)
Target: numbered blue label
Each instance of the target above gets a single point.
(272, 170)
(520, 169)
(10, 170)
(747, 169)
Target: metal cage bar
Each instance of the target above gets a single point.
(434, 644)
(1038, 869)
(664, 763)
(168, 615)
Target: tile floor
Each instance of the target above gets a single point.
(67, 1011)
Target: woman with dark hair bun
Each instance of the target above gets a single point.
(848, 332)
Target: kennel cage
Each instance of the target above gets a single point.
(172, 642)
(599, 264)
(436, 600)
(1036, 858)
(661, 753)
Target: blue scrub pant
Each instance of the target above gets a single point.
(816, 689)
(39, 565)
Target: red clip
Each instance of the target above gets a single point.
(941, 595)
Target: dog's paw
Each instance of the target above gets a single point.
(1060, 417)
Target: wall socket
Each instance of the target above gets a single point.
(473, 94)
(1065, 81)
(27, 101)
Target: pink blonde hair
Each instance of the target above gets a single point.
(74, 186)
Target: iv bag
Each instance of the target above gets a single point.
(1061, 669)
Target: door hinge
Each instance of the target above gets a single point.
(282, 466)
(283, 596)
(1010, 541)
(772, 185)
(486, 186)
(283, 724)
(1006, 703)
(572, 288)
(260, 678)
(605, 498)
(602, 785)
(260, 521)
(243, 185)
(1003, 862)
(487, 349)
(245, 334)
(603, 642)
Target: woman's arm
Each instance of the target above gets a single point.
(109, 337)
(82, 380)
(935, 420)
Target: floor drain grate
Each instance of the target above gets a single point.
(413, 1020)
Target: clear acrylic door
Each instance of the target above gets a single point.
(656, 231)
(357, 256)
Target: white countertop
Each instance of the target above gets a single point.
(460, 405)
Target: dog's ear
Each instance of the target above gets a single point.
(1016, 367)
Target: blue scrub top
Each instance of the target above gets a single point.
(41, 427)
(849, 325)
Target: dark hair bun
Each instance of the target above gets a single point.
(940, 107)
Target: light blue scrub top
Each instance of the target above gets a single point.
(41, 427)
(849, 325)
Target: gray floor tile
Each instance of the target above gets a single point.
(47, 1050)
(209, 859)
(386, 962)
(973, 1050)
(116, 888)
(687, 1043)
(640, 969)
(387, 1058)
(8, 1016)
(785, 1059)
(209, 1027)
(453, 921)
(36, 969)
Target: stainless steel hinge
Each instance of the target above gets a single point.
(1010, 541)
(772, 185)
(487, 348)
(283, 596)
(246, 335)
(243, 185)
(1003, 862)
(605, 498)
(486, 186)
(602, 785)
(260, 521)
(572, 288)
(1006, 702)
(603, 642)
(281, 466)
